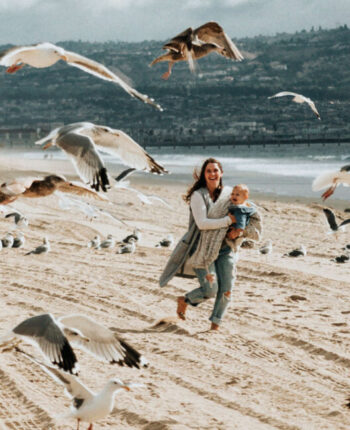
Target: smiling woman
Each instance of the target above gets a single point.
(217, 279)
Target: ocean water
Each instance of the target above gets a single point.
(277, 170)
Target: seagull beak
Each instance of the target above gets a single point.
(64, 58)
(126, 388)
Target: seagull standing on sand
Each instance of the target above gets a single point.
(332, 180)
(192, 44)
(167, 242)
(128, 248)
(7, 241)
(267, 248)
(95, 242)
(298, 98)
(81, 142)
(301, 251)
(19, 219)
(86, 405)
(333, 223)
(109, 242)
(46, 54)
(135, 236)
(341, 258)
(41, 249)
(19, 240)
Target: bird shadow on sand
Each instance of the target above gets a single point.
(168, 324)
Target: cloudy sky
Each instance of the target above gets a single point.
(30, 21)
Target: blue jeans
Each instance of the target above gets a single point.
(224, 269)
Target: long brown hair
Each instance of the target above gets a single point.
(200, 180)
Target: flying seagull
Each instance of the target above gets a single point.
(86, 405)
(45, 332)
(192, 44)
(148, 199)
(332, 180)
(81, 142)
(85, 333)
(19, 219)
(332, 221)
(298, 98)
(32, 188)
(46, 54)
(54, 336)
(301, 251)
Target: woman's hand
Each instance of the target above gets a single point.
(233, 218)
(234, 233)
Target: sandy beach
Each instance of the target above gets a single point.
(280, 360)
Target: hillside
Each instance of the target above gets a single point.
(223, 100)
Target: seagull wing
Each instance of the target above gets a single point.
(324, 180)
(313, 107)
(13, 55)
(284, 93)
(102, 72)
(80, 190)
(347, 221)
(331, 219)
(74, 388)
(121, 145)
(45, 333)
(87, 161)
(179, 43)
(102, 342)
(345, 168)
(125, 173)
(212, 32)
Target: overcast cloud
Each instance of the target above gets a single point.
(30, 21)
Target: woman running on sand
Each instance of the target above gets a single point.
(217, 278)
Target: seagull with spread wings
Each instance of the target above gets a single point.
(192, 44)
(298, 98)
(332, 223)
(81, 142)
(332, 180)
(46, 54)
(54, 337)
(86, 405)
(32, 188)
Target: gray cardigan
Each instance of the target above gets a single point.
(176, 265)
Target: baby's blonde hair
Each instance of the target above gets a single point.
(244, 188)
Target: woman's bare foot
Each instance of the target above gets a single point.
(214, 326)
(181, 307)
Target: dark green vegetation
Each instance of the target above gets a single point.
(223, 101)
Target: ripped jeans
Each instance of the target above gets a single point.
(224, 269)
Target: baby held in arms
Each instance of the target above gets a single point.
(241, 209)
